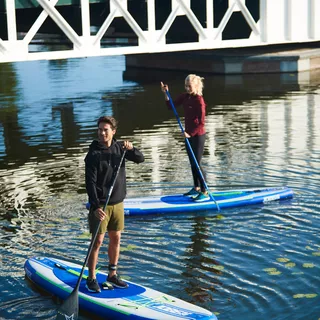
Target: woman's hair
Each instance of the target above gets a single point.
(110, 120)
(197, 82)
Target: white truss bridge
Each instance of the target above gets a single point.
(280, 22)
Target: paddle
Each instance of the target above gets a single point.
(190, 150)
(70, 307)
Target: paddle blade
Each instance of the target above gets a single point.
(69, 309)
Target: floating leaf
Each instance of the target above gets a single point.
(85, 235)
(283, 259)
(274, 272)
(50, 225)
(219, 216)
(74, 219)
(308, 265)
(311, 295)
(218, 267)
(308, 248)
(308, 295)
(269, 269)
(316, 253)
(130, 247)
(57, 220)
(290, 265)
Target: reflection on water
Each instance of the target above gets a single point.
(262, 131)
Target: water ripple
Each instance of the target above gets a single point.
(246, 263)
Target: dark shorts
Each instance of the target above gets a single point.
(114, 220)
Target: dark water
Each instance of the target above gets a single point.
(257, 262)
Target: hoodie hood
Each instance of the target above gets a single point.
(96, 145)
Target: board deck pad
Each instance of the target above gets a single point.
(64, 275)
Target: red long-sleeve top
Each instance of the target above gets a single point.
(194, 113)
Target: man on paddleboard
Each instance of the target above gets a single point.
(101, 164)
(194, 111)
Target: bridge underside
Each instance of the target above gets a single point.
(52, 29)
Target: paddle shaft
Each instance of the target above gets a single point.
(74, 295)
(191, 151)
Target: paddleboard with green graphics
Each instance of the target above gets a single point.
(59, 278)
(225, 199)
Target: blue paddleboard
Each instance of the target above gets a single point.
(59, 278)
(225, 199)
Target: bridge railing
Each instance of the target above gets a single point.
(277, 22)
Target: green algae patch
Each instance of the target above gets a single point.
(270, 269)
(305, 295)
(290, 265)
(85, 235)
(308, 265)
(274, 273)
(74, 219)
(283, 260)
(220, 268)
(57, 220)
(311, 295)
(130, 247)
(50, 225)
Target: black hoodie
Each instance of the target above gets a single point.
(101, 165)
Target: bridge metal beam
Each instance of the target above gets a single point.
(61, 22)
(280, 21)
(11, 20)
(85, 16)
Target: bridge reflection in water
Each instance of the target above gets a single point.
(50, 121)
(262, 130)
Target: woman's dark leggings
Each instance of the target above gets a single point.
(197, 146)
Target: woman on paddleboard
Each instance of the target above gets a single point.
(101, 163)
(194, 111)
